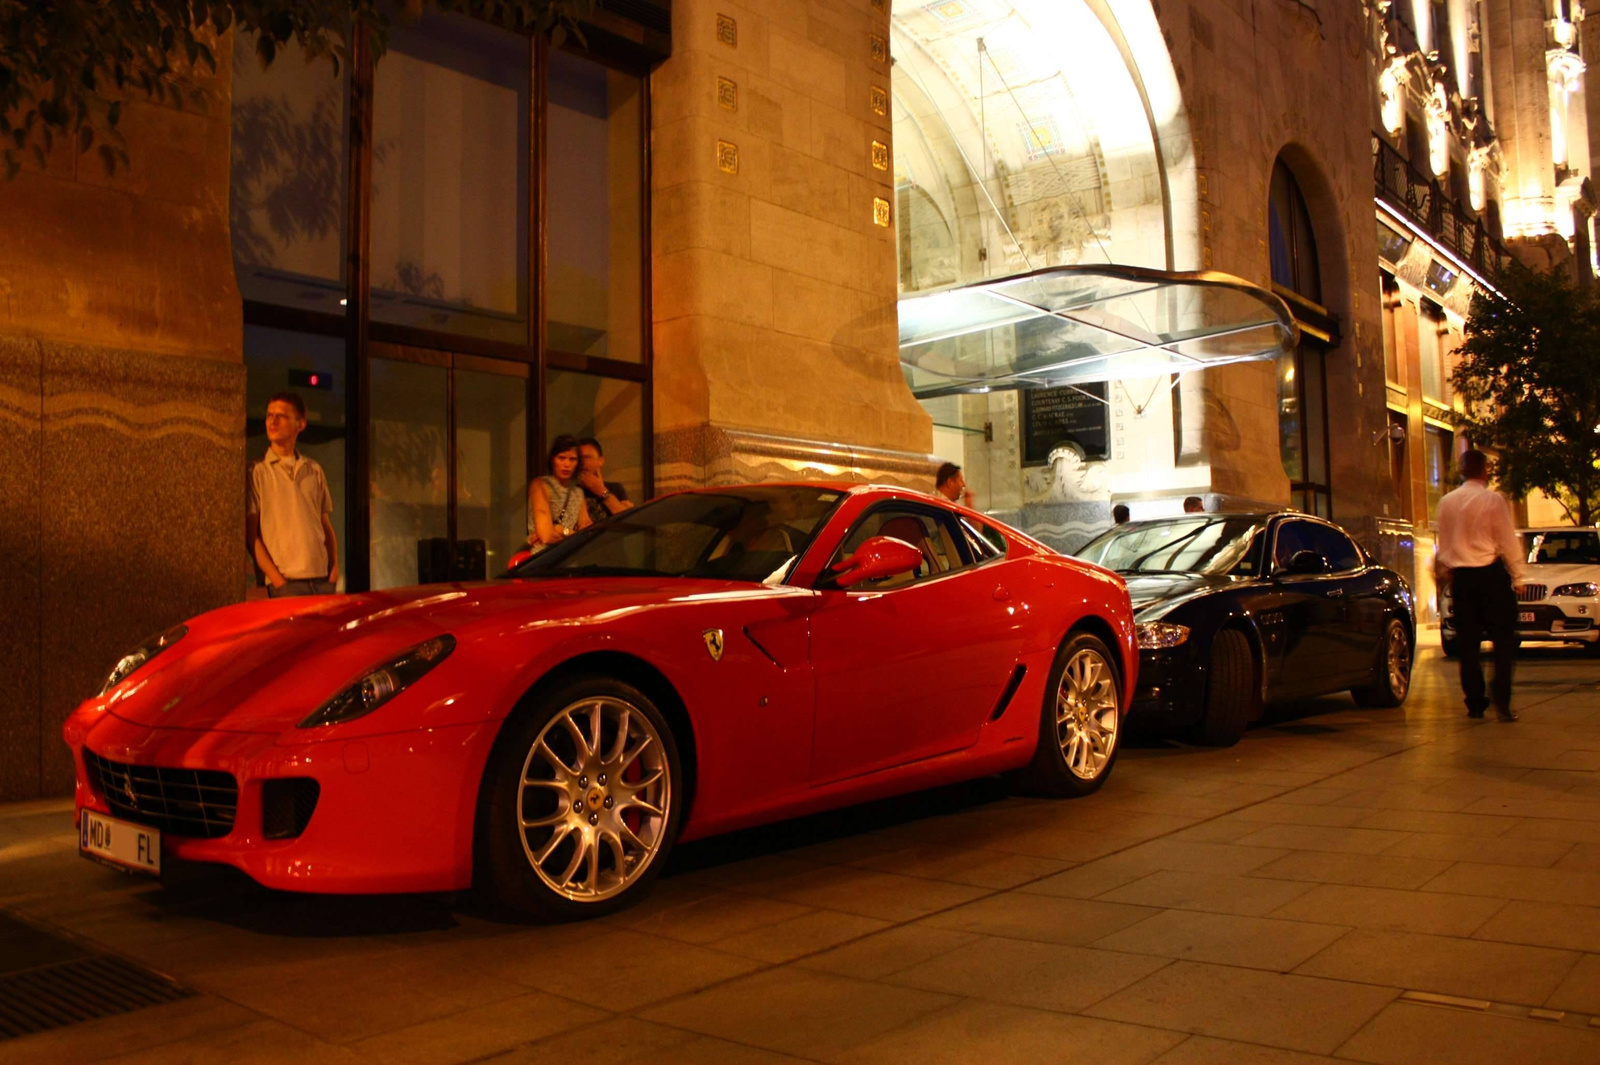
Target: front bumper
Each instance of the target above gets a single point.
(1171, 687)
(1558, 620)
(394, 812)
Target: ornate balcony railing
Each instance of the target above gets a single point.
(1425, 203)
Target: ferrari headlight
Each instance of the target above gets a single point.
(1158, 635)
(371, 691)
(129, 663)
(1581, 590)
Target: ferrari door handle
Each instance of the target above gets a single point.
(1001, 594)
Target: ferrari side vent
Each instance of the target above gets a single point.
(287, 805)
(1011, 690)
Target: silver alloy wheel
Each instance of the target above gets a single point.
(1087, 713)
(594, 799)
(1397, 657)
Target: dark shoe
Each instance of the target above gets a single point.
(1506, 715)
(1475, 714)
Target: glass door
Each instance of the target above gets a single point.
(449, 465)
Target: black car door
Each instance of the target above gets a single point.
(1312, 609)
(1353, 639)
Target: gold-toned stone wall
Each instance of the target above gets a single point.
(121, 414)
(774, 260)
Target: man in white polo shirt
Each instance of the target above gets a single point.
(288, 515)
(1481, 556)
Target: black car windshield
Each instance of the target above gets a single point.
(1568, 547)
(1203, 545)
(739, 534)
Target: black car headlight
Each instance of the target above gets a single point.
(129, 663)
(1160, 635)
(1581, 590)
(364, 695)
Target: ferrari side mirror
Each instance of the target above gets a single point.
(878, 557)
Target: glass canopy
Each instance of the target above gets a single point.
(1076, 324)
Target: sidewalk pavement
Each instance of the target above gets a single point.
(1403, 887)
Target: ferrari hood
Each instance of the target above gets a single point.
(262, 666)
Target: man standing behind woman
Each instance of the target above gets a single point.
(1480, 555)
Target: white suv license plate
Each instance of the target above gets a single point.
(134, 848)
(1526, 617)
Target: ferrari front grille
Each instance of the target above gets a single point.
(1530, 593)
(183, 802)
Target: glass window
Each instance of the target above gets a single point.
(1432, 353)
(1563, 548)
(1438, 448)
(312, 367)
(1399, 474)
(608, 409)
(287, 189)
(594, 181)
(921, 529)
(1180, 545)
(1333, 545)
(1290, 446)
(492, 462)
(409, 467)
(450, 179)
(1289, 236)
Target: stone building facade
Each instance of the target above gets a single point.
(688, 236)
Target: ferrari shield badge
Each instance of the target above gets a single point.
(713, 639)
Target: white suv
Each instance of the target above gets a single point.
(1559, 599)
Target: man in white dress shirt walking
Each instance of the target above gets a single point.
(1481, 556)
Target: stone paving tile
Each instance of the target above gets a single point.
(1203, 1050)
(1400, 911)
(1551, 828)
(1511, 882)
(622, 1041)
(705, 918)
(195, 1019)
(1564, 810)
(869, 893)
(889, 951)
(1043, 918)
(1322, 838)
(1369, 870)
(1090, 879)
(1499, 972)
(1221, 830)
(1409, 1034)
(1584, 856)
(1226, 939)
(1292, 1012)
(796, 1011)
(1500, 850)
(1191, 857)
(1318, 795)
(1039, 975)
(978, 868)
(479, 1032)
(807, 934)
(986, 1032)
(1477, 826)
(1289, 813)
(260, 1041)
(1580, 991)
(1545, 924)
(1215, 892)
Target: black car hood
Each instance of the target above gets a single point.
(1154, 594)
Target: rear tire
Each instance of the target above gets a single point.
(1080, 723)
(1391, 672)
(1230, 690)
(580, 802)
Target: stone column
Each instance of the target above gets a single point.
(775, 276)
(121, 414)
(1516, 43)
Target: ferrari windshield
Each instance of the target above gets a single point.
(1205, 544)
(739, 534)
(1566, 547)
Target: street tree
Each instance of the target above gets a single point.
(68, 66)
(1529, 376)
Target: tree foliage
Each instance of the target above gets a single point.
(1529, 373)
(67, 66)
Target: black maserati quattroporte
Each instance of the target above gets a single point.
(1238, 610)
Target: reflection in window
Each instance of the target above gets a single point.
(595, 173)
(286, 198)
(277, 360)
(1291, 446)
(1432, 352)
(1438, 445)
(607, 409)
(492, 463)
(450, 179)
(410, 475)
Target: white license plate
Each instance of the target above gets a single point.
(136, 848)
(1525, 617)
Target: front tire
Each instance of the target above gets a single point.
(1080, 722)
(1391, 673)
(1230, 690)
(580, 804)
(1448, 645)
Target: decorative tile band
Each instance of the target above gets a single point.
(880, 211)
(727, 157)
(878, 100)
(879, 48)
(880, 155)
(728, 31)
(727, 94)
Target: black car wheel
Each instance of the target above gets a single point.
(1391, 672)
(1447, 644)
(1079, 723)
(1230, 690)
(580, 803)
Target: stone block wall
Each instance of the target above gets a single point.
(121, 414)
(775, 275)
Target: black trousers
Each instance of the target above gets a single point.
(1485, 606)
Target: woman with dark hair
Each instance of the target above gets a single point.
(555, 501)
